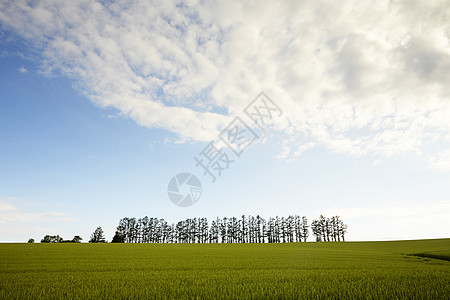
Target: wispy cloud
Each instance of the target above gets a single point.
(290, 154)
(22, 70)
(377, 162)
(357, 77)
(10, 212)
(6, 205)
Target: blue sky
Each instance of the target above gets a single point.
(101, 104)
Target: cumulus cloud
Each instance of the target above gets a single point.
(357, 77)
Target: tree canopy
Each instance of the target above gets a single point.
(97, 236)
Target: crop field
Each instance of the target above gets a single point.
(372, 270)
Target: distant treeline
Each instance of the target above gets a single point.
(58, 239)
(249, 229)
(96, 237)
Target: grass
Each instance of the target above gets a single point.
(372, 270)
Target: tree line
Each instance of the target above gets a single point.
(249, 229)
(96, 237)
(246, 229)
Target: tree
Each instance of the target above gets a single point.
(342, 230)
(30, 240)
(118, 238)
(46, 239)
(52, 239)
(97, 236)
(323, 228)
(316, 230)
(77, 239)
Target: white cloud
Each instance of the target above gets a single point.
(286, 150)
(357, 77)
(292, 155)
(6, 205)
(303, 148)
(22, 70)
(377, 162)
(11, 213)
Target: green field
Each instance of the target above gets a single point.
(296, 270)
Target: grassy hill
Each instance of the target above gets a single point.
(295, 270)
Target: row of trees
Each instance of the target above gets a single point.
(327, 230)
(249, 229)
